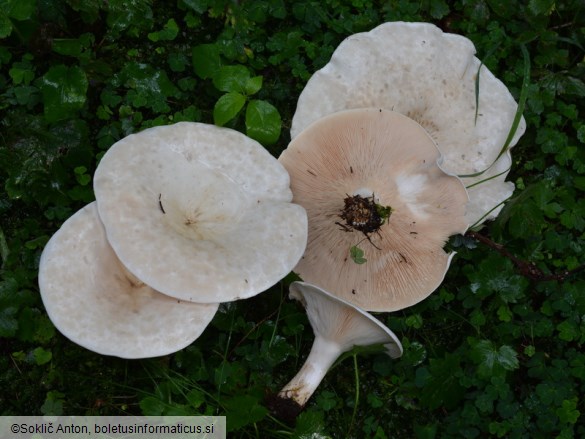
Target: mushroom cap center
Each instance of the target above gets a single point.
(363, 213)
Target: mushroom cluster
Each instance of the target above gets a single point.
(191, 215)
(186, 216)
(399, 142)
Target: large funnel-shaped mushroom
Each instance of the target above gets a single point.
(430, 76)
(94, 301)
(199, 212)
(338, 327)
(369, 178)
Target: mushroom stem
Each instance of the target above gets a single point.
(322, 356)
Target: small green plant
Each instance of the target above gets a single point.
(357, 255)
(262, 119)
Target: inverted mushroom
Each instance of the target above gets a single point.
(94, 301)
(369, 179)
(199, 212)
(338, 326)
(430, 76)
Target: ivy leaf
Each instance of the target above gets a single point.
(64, 92)
(227, 107)
(263, 122)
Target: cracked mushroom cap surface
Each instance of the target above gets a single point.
(341, 322)
(94, 301)
(199, 212)
(347, 170)
(417, 70)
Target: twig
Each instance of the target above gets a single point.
(526, 268)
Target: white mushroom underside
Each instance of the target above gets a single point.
(199, 212)
(338, 327)
(93, 300)
(419, 71)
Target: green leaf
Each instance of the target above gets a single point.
(232, 79)
(326, 400)
(439, 8)
(5, 26)
(253, 85)
(206, 60)
(488, 357)
(149, 87)
(243, 410)
(263, 122)
(151, 406)
(67, 46)
(440, 384)
(64, 92)
(414, 321)
(568, 412)
(504, 313)
(541, 7)
(19, 9)
(310, 424)
(42, 356)
(568, 331)
(125, 14)
(199, 6)
(53, 405)
(168, 33)
(357, 255)
(227, 107)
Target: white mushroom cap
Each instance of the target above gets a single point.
(199, 212)
(386, 156)
(338, 326)
(419, 71)
(94, 301)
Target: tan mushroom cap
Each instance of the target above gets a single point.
(385, 155)
(417, 70)
(94, 301)
(199, 212)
